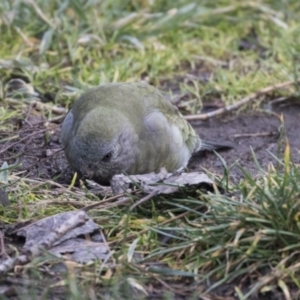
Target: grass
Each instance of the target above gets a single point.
(247, 237)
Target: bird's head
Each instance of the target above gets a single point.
(104, 144)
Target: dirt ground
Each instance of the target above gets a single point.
(261, 133)
(39, 153)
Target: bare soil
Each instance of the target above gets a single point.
(262, 134)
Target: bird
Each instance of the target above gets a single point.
(127, 128)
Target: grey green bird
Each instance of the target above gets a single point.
(127, 128)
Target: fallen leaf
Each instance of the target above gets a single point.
(35, 232)
(81, 250)
(159, 183)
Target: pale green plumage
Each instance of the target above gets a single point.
(131, 122)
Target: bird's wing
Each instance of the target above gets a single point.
(66, 129)
(174, 117)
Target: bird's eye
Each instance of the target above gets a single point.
(107, 157)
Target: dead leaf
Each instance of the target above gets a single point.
(60, 235)
(81, 250)
(159, 183)
(37, 231)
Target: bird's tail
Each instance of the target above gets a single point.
(210, 146)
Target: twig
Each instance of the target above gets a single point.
(145, 271)
(2, 245)
(143, 200)
(22, 139)
(137, 234)
(256, 134)
(40, 106)
(122, 201)
(242, 101)
(89, 207)
(28, 113)
(49, 182)
(76, 204)
(56, 119)
(211, 60)
(174, 291)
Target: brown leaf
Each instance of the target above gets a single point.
(37, 231)
(158, 183)
(81, 250)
